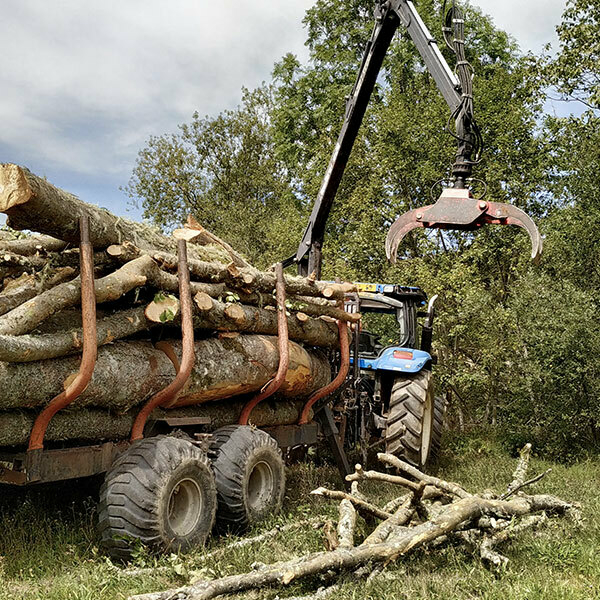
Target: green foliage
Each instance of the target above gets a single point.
(517, 345)
(222, 171)
(575, 72)
(50, 543)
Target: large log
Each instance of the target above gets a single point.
(96, 425)
(28, 315)
(31, 202)
(245, 279)
(127, 373)
(242, 364)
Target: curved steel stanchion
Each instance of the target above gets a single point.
(187, 353)
(284, 350)
(90, 342)
(340, 378)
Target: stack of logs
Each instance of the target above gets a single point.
(138, 329)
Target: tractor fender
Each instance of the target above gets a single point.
(398, 360)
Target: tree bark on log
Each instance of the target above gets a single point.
(34, 244)
(251, 319)
(30, 202)
(29, 348)
(30, 286)
(28, 315)
(244, 364)
(245, 279)
(128, 373)
(97, 425)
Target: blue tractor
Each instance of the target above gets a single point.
(390, 397)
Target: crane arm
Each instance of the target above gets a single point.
(389, 15)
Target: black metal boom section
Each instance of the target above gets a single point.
(456, 208)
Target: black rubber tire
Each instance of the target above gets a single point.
(140, 501)
(439, 415)
(250, 476)
(410, 419)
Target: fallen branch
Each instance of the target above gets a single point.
(362, 506)
(394, 538)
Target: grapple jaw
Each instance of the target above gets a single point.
(457, 209)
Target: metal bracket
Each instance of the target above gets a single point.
(166, 395)
(90, 342)
(284, 349)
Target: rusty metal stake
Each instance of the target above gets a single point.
(340, 378)
(90, 342)
(187, 353)
(284, 349)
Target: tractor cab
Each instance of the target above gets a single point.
(388, 340)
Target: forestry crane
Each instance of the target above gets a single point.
(456, 208)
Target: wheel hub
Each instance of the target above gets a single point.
(185, 507)
(260, 485)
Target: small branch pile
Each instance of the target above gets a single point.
(136, 291)
(434, 512)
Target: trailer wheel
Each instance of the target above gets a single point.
(161, 491)
(250, 476)
(412, 430)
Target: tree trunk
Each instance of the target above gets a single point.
(96, 425)
(30, 202)
(128, 373)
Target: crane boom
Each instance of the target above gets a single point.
(389, 16)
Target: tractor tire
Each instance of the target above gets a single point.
(160, 492)
(411, 420)
(250, 476)
(439, 415)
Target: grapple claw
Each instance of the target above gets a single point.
(457, 209)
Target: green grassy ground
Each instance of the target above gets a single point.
(48, 546)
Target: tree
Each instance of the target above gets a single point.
(224, 171)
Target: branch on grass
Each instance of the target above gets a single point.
(362, 506)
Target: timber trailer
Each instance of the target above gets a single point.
(169, 478)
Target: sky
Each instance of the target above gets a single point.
(85, 83)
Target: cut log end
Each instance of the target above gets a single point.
(163, 309)
(203, 301)
(235, 312)
(14, 187)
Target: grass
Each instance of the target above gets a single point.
(48, 544)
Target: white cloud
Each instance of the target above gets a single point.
(84, 84)
(531, 22)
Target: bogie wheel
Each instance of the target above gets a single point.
(160, 491)
(414, 420)
(250, 476)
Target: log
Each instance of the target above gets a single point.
(227, 367)
(29, 348)
(127, 373)
(205, 237)
(31, 202)
(244, 279)
(97, 425)
(29, 286)
(250, 319)
(28, 315)
(33, 244)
